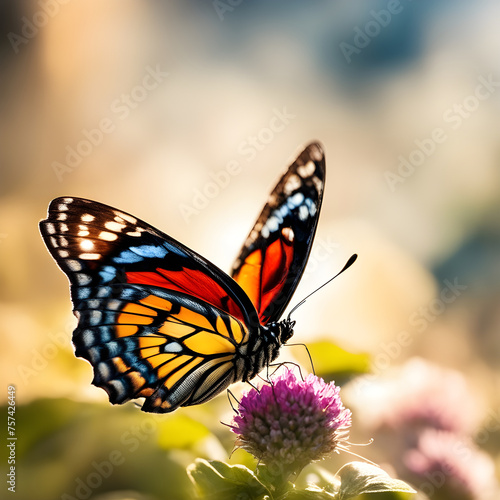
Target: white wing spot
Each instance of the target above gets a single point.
(103, 370)
(50, 228)
(62, 216)
(63, 253)
(83, 233)
(104, 235)
(303, 212)
(114, 226)
(87, 218)
(292, 184)
(172, 347)
(88, 337)
(136, 234)
(83, 293)
(296, 200)
(83, 279)
(87, 245)
(95, 317)
(318, 183)
(113, 304)
(68, 200)
(63, 228)
(94, 355)
(287, 233)
(104, 291)
(62, 207)
(272, 223)
(63, 241)
(119, 388)
(74, 265)
(90, 256)
(127, 217)
(306, 170)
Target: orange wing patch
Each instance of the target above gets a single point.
(189, 317)
(207, 343)
(264, 271)
(125, 330)
(157, 302)
(132, 315)
(161, 359)
(170, 366)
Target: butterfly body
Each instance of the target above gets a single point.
(158, 321)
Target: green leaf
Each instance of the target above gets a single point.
(359, 477)
(320, 477)
(390, 495)
(180, 432)
(310, 493)
(274, 479)
(216, 480)
(334, 363)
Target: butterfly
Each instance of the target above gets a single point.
(158, 321)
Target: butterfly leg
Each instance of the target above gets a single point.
(313, 371)
(234, 399)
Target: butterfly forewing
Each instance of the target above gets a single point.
(95, 244)
(272, 260)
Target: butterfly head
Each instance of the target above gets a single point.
(285, 330)
(288, 326)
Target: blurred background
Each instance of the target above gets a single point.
(185, 114)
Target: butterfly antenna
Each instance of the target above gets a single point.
(349, 263)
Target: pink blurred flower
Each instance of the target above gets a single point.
(416, 396)
(445, 466)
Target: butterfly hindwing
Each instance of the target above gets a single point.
(144, 341)
(272, 260)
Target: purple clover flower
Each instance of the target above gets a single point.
(290, 423)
